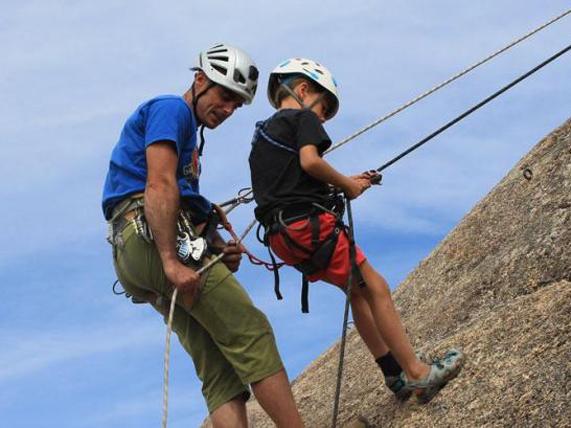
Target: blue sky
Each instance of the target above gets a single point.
(75, 355)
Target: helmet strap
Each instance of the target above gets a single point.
(202, 141)
(317, 100)
(285, 85)
(195, 99)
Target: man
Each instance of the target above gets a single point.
(151, 199)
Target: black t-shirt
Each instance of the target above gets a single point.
(278, 180)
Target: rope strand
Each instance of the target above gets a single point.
(447, 82)
(473, 109)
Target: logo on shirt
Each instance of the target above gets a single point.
(191, 170)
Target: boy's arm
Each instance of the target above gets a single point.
(314, 165)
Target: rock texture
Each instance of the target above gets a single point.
(499, 287)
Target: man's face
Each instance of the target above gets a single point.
(216, 105)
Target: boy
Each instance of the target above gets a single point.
(291, 184)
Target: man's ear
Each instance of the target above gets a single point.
(200, 80)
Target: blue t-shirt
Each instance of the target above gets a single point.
(166, 117)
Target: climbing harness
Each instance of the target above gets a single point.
(317, 257)
(191, 248)
(280, 222)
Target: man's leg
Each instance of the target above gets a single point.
(245, 337)
(139, 269)
(231, 414)
(275, 397)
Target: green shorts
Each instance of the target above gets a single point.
(230, 341)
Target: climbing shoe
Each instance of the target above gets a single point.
(442, 370)
(396, 383)
(397, 386)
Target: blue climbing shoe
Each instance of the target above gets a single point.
(442, 370)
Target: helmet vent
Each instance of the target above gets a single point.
(239, 77)
(214, 51)
(220, 69)
(253, 73)
(219, 58)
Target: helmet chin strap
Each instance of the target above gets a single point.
(195, 99)
(285, 85)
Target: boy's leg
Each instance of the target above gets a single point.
(389, 325)
(365, 324)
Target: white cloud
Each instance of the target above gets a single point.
(26, 352)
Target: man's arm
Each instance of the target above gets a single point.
(162, 203)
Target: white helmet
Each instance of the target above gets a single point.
(310, 69)
(230, 67)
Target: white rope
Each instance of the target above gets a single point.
(446, 82)
(169, 326)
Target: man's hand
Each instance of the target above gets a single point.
(232, 255)
(185, 279)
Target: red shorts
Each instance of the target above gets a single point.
(300, 232)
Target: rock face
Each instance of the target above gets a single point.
(499, 287)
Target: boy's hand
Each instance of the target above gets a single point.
(367, 175)
(356, 186)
